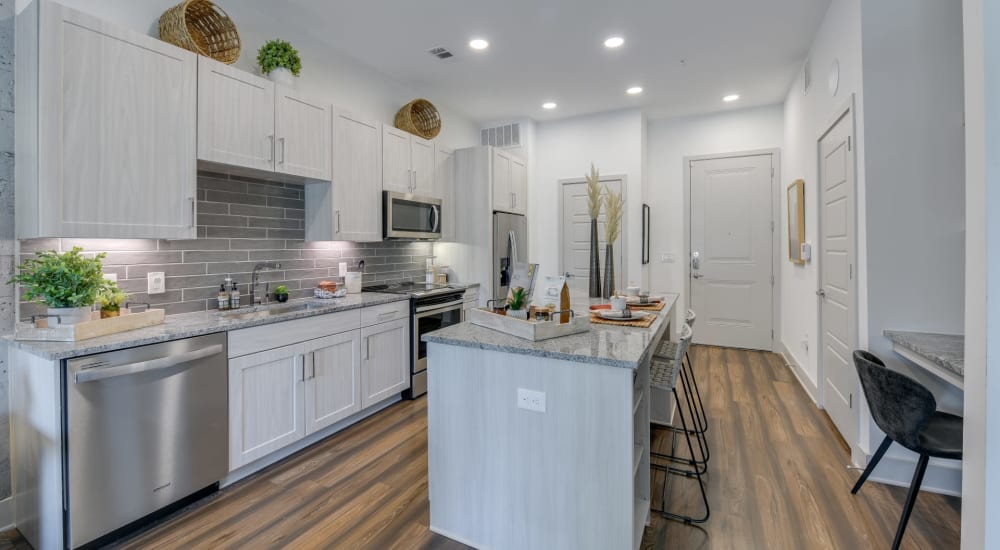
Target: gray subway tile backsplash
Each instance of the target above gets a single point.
(242, 221)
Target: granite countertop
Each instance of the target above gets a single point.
(187, 325)
(944, 350)
(609, 345)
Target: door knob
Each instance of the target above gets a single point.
(695, 261)
(568, 275)
(821, 293)
(696, 275)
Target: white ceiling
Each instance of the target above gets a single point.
(686, 54)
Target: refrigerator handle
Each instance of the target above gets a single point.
(513, 247)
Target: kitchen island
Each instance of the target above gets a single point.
(573, 472)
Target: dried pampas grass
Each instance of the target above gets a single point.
(613, 207)
(594, 192)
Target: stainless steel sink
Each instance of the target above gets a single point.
(263, 312)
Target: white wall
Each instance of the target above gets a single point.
(807, 116)
(325, 72)
(565, 149)
(668, 142)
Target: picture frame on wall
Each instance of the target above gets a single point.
(796, 221)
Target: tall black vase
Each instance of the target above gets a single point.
(609, 271)
(595, 262)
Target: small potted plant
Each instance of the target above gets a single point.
(281, 293)
(516, 303)
(279, 61)
(111, 299)
(68, 283)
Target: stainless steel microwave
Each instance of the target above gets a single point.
(409, 217)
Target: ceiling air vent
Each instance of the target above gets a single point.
(441, 53)
(507, 135)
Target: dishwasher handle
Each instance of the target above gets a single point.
(103, 373)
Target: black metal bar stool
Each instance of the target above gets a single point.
(663, 375)
(907, 413)
(666, 350)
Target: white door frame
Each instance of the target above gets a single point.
(624, 232)
(775, 233)
(846, 110)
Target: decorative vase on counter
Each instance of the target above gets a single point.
(281, 75)
(609, 271)
(281, 297)
(595, 262)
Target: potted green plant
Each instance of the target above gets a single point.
(279, 61)
(516, 303)
(281, 293)
(68, 283)
(111, 299)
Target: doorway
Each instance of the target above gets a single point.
(732, 247)
(575, 241)
(837, 291)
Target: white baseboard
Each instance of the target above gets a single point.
(7, 514)
(799, 373)
(942, 476)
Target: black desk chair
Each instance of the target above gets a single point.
(907, 413)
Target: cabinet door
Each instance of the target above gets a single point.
(265, 403)
(385, 368)
(519, 185)
(444, 166)
(422, 163)
(116, 131)
(396, 172)
(235, 116)
(502, 199)
(302, 127)
(333, 379)
(357, 179)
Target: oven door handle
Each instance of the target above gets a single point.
(435, 307)
(103, 373)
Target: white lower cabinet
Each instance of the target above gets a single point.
(386, 367)
(265, 403)
(333, 379)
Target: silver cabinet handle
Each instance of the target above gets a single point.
(194, 212)
(312, 365)
(336, 213)
(414, 187)
(368, 349)
(103, 373)
(270, 141)
(282, 141)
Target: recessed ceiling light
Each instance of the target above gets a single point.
(731, 97)
(549, 105)
(634, 90)
(614, 42)
(478, 44)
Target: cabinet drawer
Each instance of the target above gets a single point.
(385, 313)
(265, 337)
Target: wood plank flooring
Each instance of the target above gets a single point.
(777, 480)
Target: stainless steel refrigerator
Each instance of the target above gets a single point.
(510, 246)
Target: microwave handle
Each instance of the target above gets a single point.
(435, 219)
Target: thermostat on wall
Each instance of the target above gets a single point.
(805, 251)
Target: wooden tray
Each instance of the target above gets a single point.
(528, 330)
(90, 329)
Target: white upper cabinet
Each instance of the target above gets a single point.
(302, 127)
(246, 121)
(444, 187)
(105, 129)
(407, 163)
(349, 209)
(235, 116)
(510, 183)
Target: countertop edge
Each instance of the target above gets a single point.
(902, 338)
(34, 347)
(433, 339)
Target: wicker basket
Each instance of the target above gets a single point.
(201, 27)
(419, 117)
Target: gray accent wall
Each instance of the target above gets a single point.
(6, 225)
(241, 222)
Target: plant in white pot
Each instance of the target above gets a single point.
(68, 283)
(279, 61)
(517, 303)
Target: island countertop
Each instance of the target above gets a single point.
(609, 345)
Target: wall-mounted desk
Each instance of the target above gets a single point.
(943, 355)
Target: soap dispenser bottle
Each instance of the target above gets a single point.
(234, 296)
(223, 297)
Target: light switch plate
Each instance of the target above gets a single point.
(155, 283)
(531, 400)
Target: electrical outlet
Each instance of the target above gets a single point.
(342, 269)
(156, 283)
(531, 400)
(667, 258)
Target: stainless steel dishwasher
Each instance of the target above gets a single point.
(146, 427)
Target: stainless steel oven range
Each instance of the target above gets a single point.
(432, 307)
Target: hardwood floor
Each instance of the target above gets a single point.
(777, 479)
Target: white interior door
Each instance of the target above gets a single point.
(575, 244)
(731, 251)
(836, 182)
